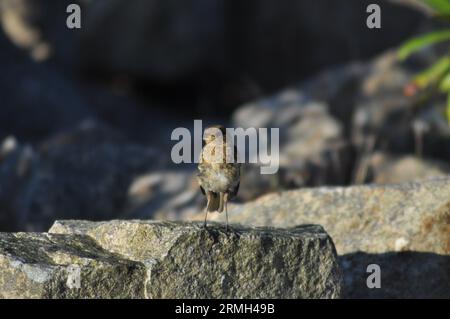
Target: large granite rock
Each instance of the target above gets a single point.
(382, 168)
(370, 101)
(405, 227)
(40, 265)
(183, 260)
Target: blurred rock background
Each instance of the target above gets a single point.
(86, 115)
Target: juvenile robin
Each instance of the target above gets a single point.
(219, 171)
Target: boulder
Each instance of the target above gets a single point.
(15, 164)
(381, 222)
(183, 260)
(40, 265)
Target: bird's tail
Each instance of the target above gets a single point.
(216, 202)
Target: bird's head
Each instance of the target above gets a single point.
(213, 132)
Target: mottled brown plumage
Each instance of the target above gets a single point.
(219, 173)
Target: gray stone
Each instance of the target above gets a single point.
(40, 265)
(382, 222)
(183, 260)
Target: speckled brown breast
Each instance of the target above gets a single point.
(219, 177)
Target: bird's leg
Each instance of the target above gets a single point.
(225, 199)
(206, 208)
(206, 215)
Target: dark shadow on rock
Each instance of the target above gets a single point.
(403, 275)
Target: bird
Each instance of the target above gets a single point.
(218, 171)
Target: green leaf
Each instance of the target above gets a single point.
(444, 84)
(442, 7)
(448, 108)
(421, 42)
(434, 73)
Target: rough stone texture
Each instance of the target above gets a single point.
(185, 261)
(332, 120)
(369, 218)
(377, 221)
(36, 100)
(40, 265)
